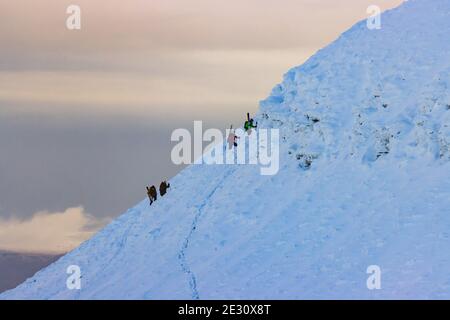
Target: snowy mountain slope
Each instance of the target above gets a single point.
(364, 180)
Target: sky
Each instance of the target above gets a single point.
(86, 115)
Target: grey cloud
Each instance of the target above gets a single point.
(104, 167)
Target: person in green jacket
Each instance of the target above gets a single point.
(249, 125)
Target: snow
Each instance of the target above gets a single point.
(364, 180)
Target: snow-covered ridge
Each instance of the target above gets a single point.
(372, 93)
(364, 180)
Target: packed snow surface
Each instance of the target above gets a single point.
(364, 180)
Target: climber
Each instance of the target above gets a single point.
(152, 194)
(163, 188)
(232, 137)
(248, 125)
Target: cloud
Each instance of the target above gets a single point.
(178, 24)
(202, 80)
(159, 58)
(49, 232)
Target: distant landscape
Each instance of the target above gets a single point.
(17, 267)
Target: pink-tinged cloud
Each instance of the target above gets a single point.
(159, 57)
(49, 232)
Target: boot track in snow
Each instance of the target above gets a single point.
(182, 254)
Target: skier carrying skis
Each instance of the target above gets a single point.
(248, 125)
(163, 188)
(232, 138)
(152, 194)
